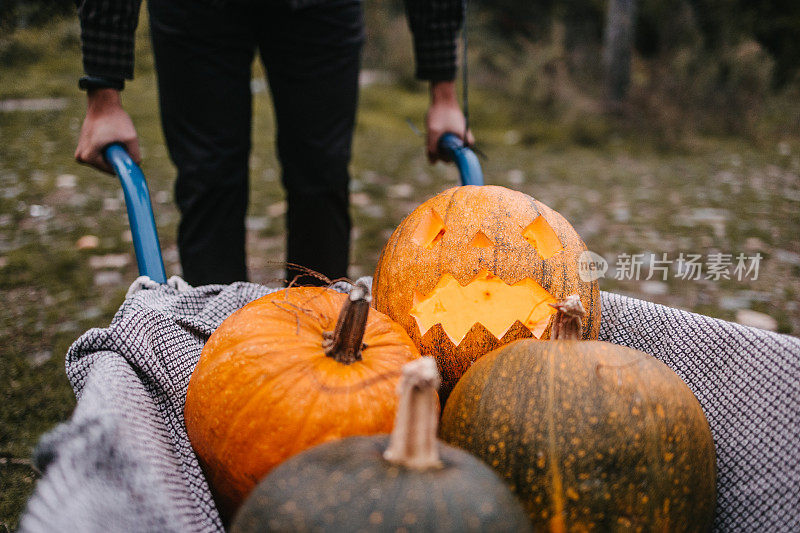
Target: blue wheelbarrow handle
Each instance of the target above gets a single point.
(469, 168)
(140, 213)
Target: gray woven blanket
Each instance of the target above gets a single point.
(123, 462)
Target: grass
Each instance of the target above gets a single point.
(622, 190)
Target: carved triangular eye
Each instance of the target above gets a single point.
(430, 230)
(480, 240)
(541, 235)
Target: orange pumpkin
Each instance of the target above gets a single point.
(477, 267)
(283, 374)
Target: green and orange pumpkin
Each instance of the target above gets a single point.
(590, 435)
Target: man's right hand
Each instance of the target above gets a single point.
(105, 123)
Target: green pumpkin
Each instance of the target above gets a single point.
(591, 436)
(409, 482)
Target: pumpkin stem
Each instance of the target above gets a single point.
(568, 323)
(345, 342)
(413, 441)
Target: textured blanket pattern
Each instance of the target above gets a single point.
(123, 462)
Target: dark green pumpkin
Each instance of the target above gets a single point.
(348, 486)
(378, 483)
(591, 436)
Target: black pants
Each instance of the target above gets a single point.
(203, 60)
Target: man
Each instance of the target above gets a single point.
(203, 52)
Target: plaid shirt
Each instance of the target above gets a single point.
(108, 26)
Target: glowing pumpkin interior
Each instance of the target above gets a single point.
(480, 240)
(487, 300)
(541, 235)
(430, 230)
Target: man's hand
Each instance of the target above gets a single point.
(105, 123)
(444, 116)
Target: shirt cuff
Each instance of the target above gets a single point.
(436, 56)
(88, 83)
(107, 53)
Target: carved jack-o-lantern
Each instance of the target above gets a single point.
(477, 267)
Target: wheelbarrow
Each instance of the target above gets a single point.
(123, 462)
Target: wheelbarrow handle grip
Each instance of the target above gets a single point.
(469, 168)
(140, 212)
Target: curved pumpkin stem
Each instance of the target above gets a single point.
(413, 441)
(568, 323)
(345, 342)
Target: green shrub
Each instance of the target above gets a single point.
(23, 13)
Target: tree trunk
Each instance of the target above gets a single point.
(618, 47)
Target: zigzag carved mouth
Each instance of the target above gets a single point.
(486, 300)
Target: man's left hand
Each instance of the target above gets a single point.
(444, 116)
